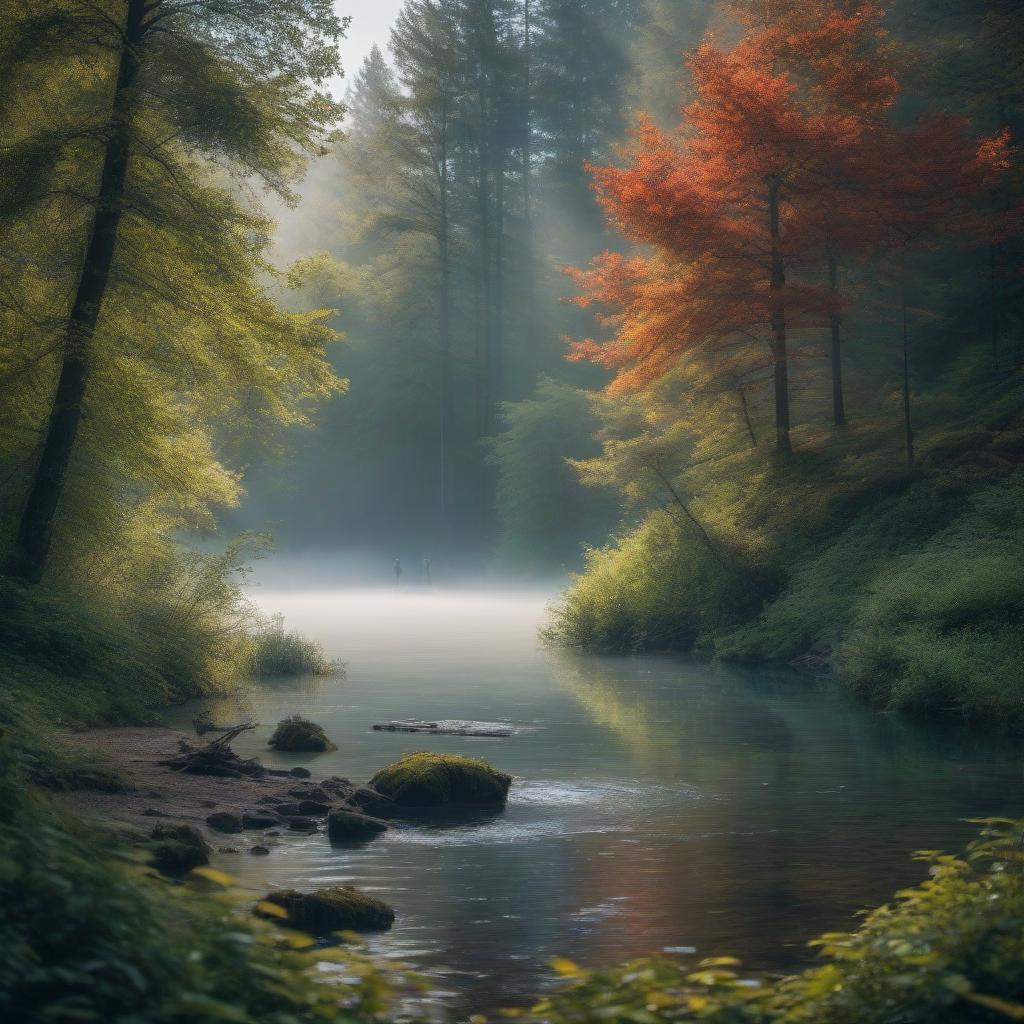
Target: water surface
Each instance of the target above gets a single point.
(659, 803)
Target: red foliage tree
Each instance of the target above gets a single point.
(785, 160)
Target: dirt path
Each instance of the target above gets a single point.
(158, 794)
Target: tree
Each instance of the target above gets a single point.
(170, 83)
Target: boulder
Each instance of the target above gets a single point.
(299, 772)
(287, 810)
(177, 849)
(428, 780)
(314, 808)
(310, 792)
(338, 908)
(298, 735)
(300, 824)
(259, 851)
(368, 801)
(345, 825)
(224, 821)
(257, 820)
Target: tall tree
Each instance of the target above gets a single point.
(234, 80)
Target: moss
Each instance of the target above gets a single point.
(337, 908)
(425, 779)
(177, 849)
(297, 735)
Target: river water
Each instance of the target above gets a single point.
(659, 804)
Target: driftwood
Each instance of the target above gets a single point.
(216, 758)
(446, 728)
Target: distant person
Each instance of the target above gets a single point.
(398, 571)
(426, 570)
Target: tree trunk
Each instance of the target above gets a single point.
(835, 320)
(780, 357)
(528, 100)
(908, 426)
(497, 343)
(444, 310)
(35, 529)
(484, 344)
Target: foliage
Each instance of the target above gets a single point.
(949, 951)
(87, 933)
(299, 735)
(424, 779)
(544, 515)
(277, 653)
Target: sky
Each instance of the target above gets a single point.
(371, 23)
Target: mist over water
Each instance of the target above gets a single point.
(658, 803)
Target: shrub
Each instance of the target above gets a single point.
(277, 653)
(949, 951)
(89, 934)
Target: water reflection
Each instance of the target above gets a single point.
(659, 802)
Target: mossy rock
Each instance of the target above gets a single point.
(338, 908)
(424, 779)
(344, 825)
(298, 735)
(177, 849)
(225, 821)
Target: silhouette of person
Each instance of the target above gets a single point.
(426, 570)
(398, 571)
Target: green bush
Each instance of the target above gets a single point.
(277, 653)
(658, 588)
(88, 933)
(949, 951)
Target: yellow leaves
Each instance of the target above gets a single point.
(217, 877)
(566, 968)
(272, 909)
(1015, 1011)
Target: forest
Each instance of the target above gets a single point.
(598, 424)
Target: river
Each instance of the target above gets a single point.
(660, 803)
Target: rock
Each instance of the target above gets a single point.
(428, 780)
(152, 812)
(259, 851)
(450, 727)
(287, 810)
(344, 825)
(279, 772)
(368, 801)
(298, 735)
(313, 808)
(269, 800)
(338, 908)
(310, 793)
(300, 824)
(207, 803)
(154, 795)
(257, 820)
(304, 773)
(177, 849)
(225, 821)
(227, 849)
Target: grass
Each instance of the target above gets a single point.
(277, 653)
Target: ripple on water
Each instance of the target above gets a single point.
(614, 795)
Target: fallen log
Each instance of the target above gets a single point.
(446, 728)
(216, 758)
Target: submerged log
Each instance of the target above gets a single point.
(445, 728)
